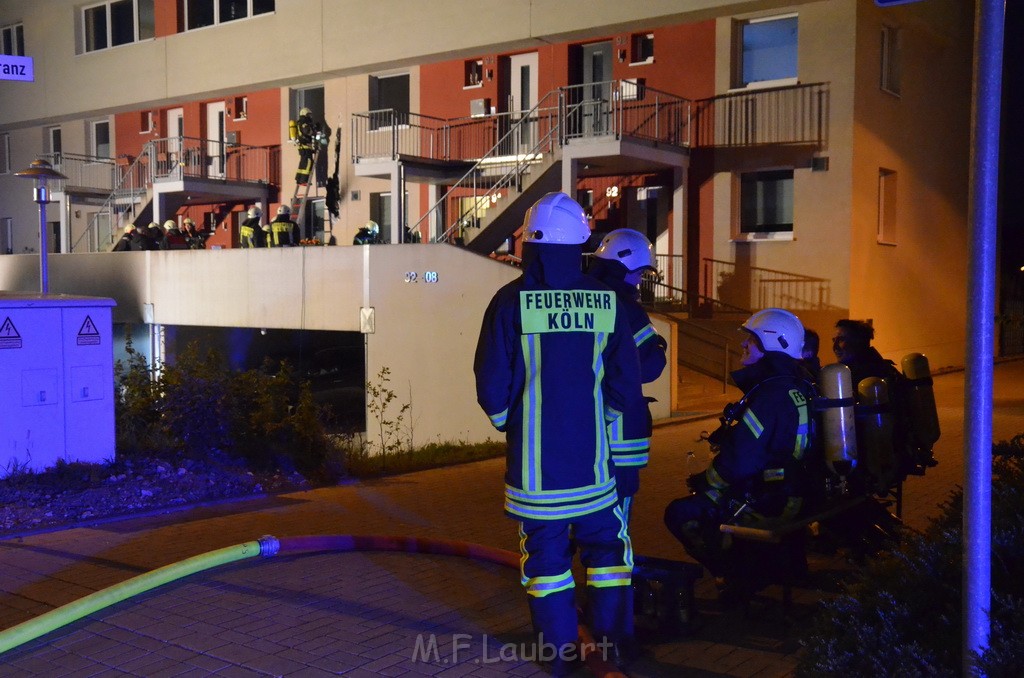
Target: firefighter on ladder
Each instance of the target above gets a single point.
(304, 133)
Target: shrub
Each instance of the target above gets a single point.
(902, 614)
(199, 406)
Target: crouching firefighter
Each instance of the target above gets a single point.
(759, 467)
(555, 364)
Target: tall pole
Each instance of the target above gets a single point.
(977, 520)
(41, 196)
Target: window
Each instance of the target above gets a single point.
(99, 139)
(886, 207)
(13, 40)
(241, 108)
(890, 77)
(389, 99)
(766, 51)
(5, 154)
(642, 48)
(53, 142)
(311, 98)
(766, 202)
(146, 122)
(202, 13)
(474, 73)
(7, 235)
(118, 22)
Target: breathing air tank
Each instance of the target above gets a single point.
(923, 417)
(293, 130)
(837, 418)
(875, 416)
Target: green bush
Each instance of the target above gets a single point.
(902, 614)
(199, 406)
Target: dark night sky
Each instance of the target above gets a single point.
(1012, 138)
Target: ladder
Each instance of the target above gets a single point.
(299, 201)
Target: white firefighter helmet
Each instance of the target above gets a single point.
(254, 212)
(304, 111)
(778, 330)
(284, 209)
(372, 227)
(630, 248)
(556, 219)
(169, 224)
(188, 221)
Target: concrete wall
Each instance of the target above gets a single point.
(424, 330)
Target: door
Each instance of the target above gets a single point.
(215, 139)
(169, 157)
(522, 97)
(597, 88)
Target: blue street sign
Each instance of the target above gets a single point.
(16, 68)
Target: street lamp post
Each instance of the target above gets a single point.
(41, 171)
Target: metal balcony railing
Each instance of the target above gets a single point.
(176, 158)
(757, 287)
(625, 108)
(778, 115)
(83, 171)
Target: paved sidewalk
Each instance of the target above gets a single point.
(391, 614)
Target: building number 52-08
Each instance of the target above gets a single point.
(428, 277)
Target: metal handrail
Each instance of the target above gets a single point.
(790, 114)
(627, 108)
(772, 287)
(497, 157)
(125, 187)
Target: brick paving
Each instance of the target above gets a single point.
(391, 613)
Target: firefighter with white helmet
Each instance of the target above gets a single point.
(251, 233)
(306, 132)
(369, 234)
(283, 231)
(620, 261)
(555, 362)
(759, 466)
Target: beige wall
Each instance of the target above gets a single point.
(914, 291)
(825, 54)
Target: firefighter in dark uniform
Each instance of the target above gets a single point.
(251, 232)
(758, 470)
(620, 262)
(283, 231)
(306, 141)
(555, 365)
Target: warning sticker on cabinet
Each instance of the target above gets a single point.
(88, 335)
(9, 337)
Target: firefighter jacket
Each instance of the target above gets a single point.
(306, 132)
(555, 365)
(251, 233)
(764, 438)
(283, 232)
(649, 343)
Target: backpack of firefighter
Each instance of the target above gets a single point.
(874, 432)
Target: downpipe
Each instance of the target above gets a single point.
(268, 546)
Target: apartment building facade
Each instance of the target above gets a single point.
(811, 155)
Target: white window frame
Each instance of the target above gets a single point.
(739, 234)
(12, 37)
(638, 44)
(7, 235)
(217, 20)
(891, 61)
(93, 146)
(5, 153)
(52, 148)
(887, 206)
(738, 54)
(139, 8)
(147, 122)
